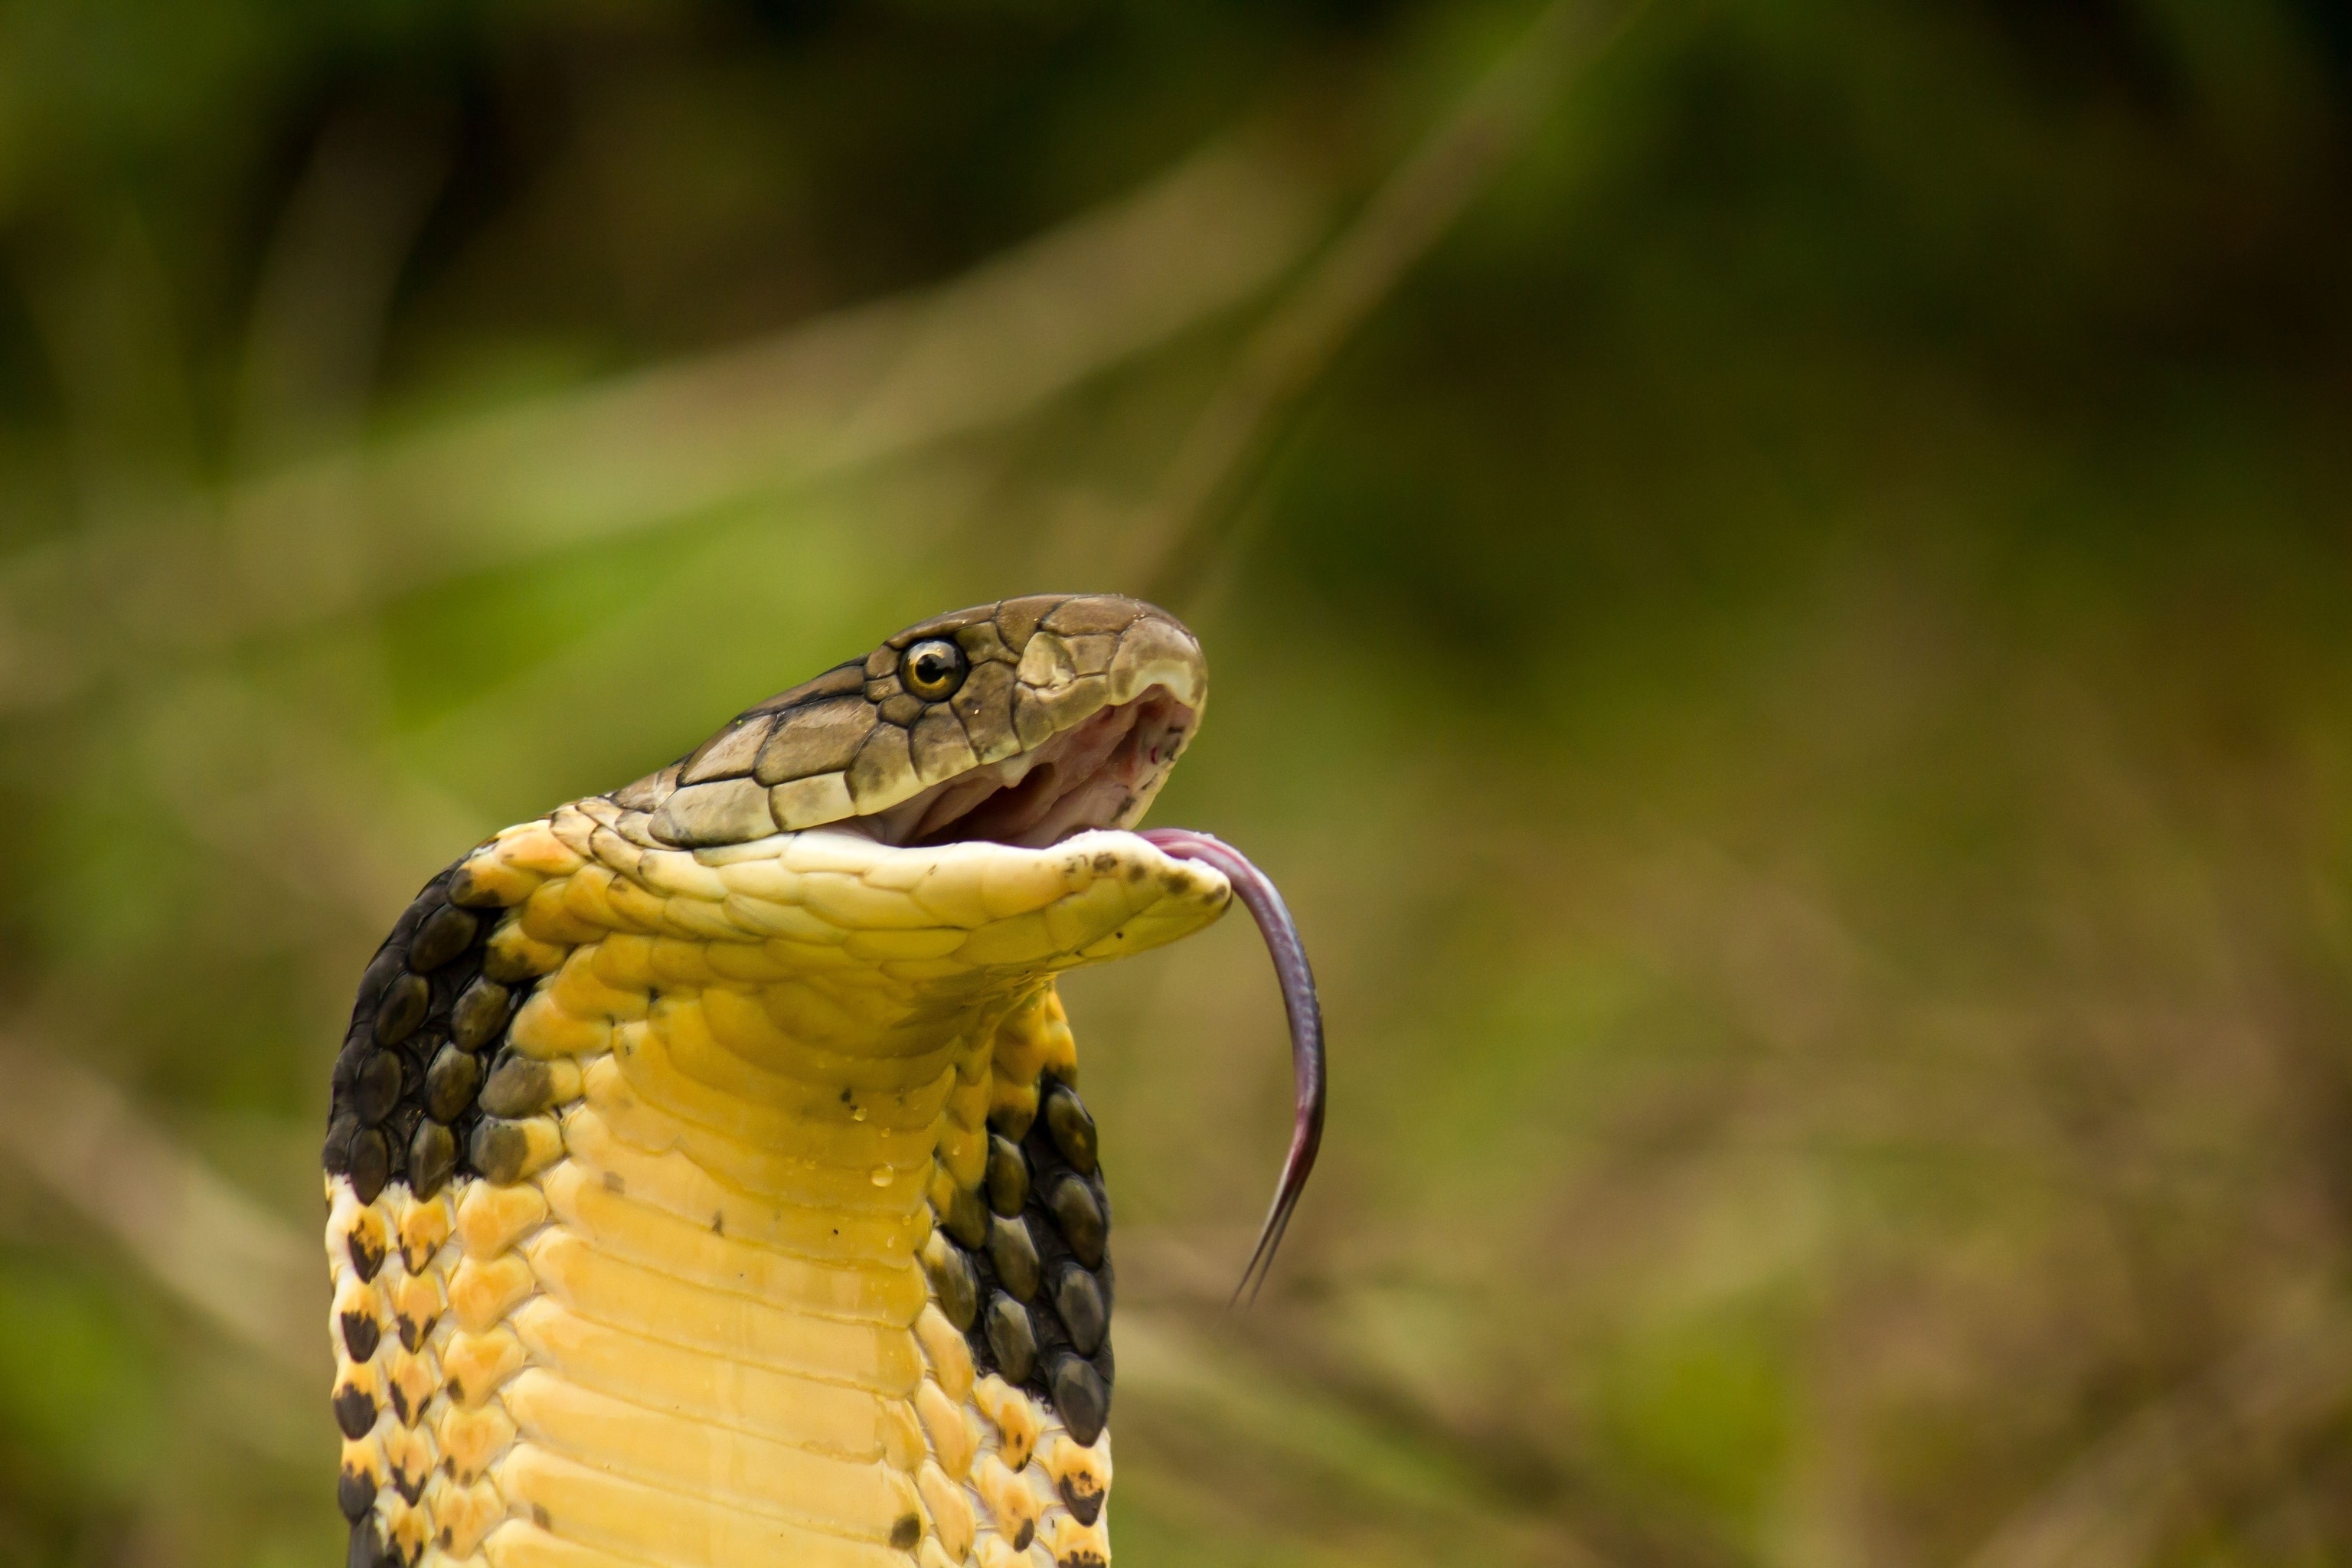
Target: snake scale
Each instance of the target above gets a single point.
(706, 1175)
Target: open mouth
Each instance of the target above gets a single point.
(1100, 773)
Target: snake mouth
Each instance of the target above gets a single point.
(996, 734)
(1101, 773)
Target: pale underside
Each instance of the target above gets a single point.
(683, 1319)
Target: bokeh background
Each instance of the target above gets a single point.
(1779, 578)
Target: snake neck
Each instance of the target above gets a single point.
(774, 1231)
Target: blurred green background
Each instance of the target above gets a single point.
(1794, 662)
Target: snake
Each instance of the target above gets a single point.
(708, 1182)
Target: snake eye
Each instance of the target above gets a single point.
(932, 669)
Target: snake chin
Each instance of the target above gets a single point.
(1102, 772)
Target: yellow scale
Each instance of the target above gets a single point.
(690, 1324)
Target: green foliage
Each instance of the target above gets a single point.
(79, 1382)
(1795, 673)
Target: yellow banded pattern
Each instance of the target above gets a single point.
(709, 1184)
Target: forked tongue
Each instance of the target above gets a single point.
(1274, 923)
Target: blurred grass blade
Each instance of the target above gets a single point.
(855, 388)
(206, 1243)
(1172, 549)
(2119, 1506)
(851, 389)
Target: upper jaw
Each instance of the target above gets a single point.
(1070, 714)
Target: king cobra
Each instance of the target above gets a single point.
(707, 1180)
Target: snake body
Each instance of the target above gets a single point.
(707, 1176)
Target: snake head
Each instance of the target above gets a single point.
(1019, 722)
(990, 764)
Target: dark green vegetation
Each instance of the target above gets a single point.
(1798, 674)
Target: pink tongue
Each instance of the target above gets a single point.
(1281, 933)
